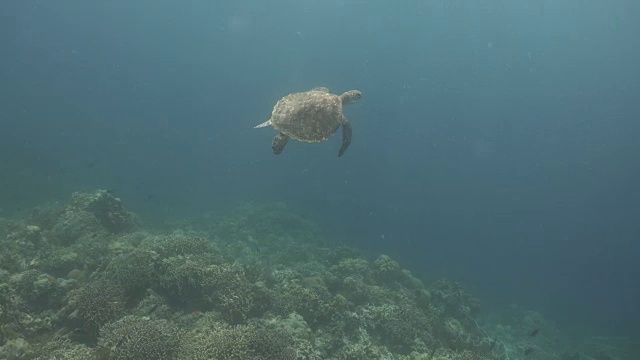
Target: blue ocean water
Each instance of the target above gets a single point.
(496, 142)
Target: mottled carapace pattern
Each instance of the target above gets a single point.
(311, 116)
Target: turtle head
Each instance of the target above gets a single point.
(350, 96)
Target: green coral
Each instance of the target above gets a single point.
(138, 338)
(57, 261)
(197, 282)
(362, 347)
(241, 342)
(179, 244)
(86, 251)
(399, 326)
(133, 271)
(453, 300)
(422, 298)
(61, 348)
(449, 354)
(72, 225)
(454, 332)
(265, 287)
(16, 349)
(96, 304)
(17, 248)
(351, 267)
(387, 270)
(230, 292)
(309, 298)
(45, 216)
(107, 209)
(8, 311)
(183, 279)
(335, 255)
(299, 330)
(39, 291)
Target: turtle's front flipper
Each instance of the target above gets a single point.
(278, 143)
(346, 136)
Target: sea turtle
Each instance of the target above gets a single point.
(311, 116)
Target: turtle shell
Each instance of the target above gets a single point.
(309, 116)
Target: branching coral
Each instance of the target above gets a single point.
(17, 248)
(448, 354)
(61, 348)
(178, 244)
(134, 271)
(352, 267)
(107, 209)
(97, 304)
(138, 338)
(39, 291)
(239, 342)
(229, 292)
(362, 347)
(453, 299)
(72, 225)
(387, 269)
(264, 288)
(8, 311)
(183, 277)
(398, 326)
(311, 299)
(196, 281)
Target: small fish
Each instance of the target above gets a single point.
(150, 196)
(528, 351)
(91, 164)
(534, 332)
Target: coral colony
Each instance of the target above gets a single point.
(85, 280)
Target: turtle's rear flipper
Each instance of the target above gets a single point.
(346, 137)
(278, 143)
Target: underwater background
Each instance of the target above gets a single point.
(495, 145)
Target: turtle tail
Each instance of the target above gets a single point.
(264, 124)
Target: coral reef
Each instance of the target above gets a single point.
(95, 305)
(224, 342)
(83, 280)
(106, 208)
(138, 338)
